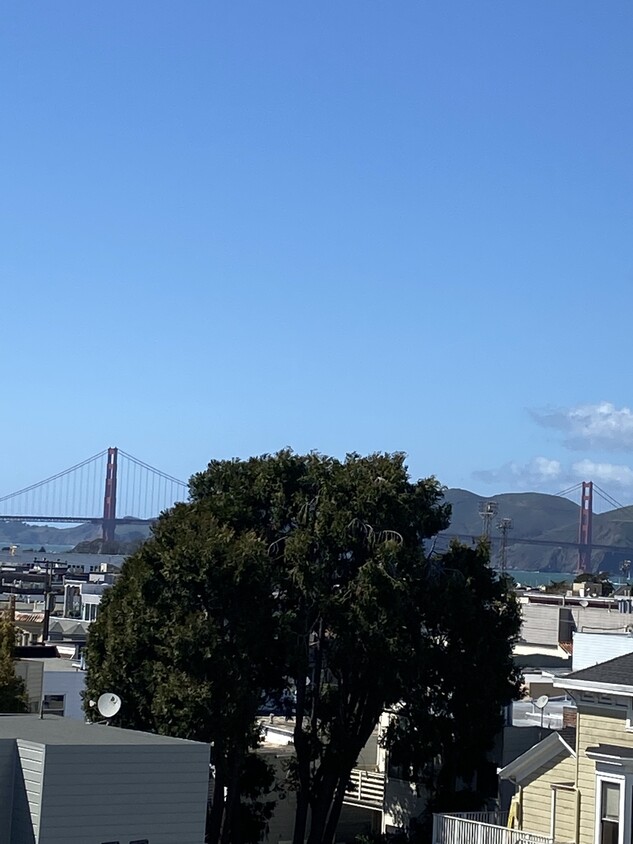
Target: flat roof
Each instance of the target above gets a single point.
(54, 663)
(54, 730)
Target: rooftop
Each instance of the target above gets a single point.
(55, 663)
(53, 730)
(618, 671)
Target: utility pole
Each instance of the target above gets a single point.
(488, 510)
(47, 603)
(504, 526)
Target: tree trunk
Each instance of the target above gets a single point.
(335, 811)
(303, 768)
(321, 807)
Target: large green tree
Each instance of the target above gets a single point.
(184, 637)
(12, 689)
(308, 570)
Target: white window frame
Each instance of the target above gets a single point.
(624, 784)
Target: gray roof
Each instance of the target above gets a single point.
(53, 729)
(618, 671)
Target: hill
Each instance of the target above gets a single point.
(548, 518)
(534, 515)
(22, 533)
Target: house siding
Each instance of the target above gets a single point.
(536, 799)
(596, 726)
(27, 794)
(102, 793)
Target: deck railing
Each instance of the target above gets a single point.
(466, 828)
(366, 788)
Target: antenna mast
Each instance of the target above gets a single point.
(504, 526)
(488, 510)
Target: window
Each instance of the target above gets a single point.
(54, 704)
(609, 817)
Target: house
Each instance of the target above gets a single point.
(383, 796)
(65, 782)
(575, 785)
(549, 623)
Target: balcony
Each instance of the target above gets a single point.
(366, 789)
(480, 828)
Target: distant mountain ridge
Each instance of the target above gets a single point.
(21, 533)
(536, 515)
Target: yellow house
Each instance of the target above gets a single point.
(577, 784)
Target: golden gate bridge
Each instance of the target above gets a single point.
(96, 491)
(111, 482)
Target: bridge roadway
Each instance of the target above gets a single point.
(549, 543)
(467, 537)
(93, 520)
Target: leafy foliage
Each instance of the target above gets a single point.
(12, 689)
(307, 570)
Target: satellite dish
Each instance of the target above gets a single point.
(541, 702)
(109, 704)
(584, 603)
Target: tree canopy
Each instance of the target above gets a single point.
(12, 689)
(308, 571)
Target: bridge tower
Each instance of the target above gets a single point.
(585, 527)
(109, 499)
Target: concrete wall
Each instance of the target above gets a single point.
(540, 624)
(70, 684)
(103, 793)
(547, 624)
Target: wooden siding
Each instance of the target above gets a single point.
(537, 799)
(27, 793)
(102, 793)
(596, 726)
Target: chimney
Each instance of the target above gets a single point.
(570, 716)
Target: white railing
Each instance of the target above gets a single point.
(366, 788)
(466, 829)
(494, 817)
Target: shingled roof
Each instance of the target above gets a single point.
(618, 671)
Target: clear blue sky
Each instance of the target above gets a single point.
(231, 227)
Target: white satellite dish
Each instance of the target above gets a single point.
(109, 704)
(541, 702)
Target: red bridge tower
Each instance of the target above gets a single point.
(585, 527)
(109, 499)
